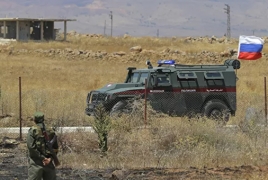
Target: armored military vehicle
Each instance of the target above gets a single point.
(176, 89)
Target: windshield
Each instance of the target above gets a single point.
(134, 77)
(143, 77)
(138, 77)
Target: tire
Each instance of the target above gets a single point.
(118, 108)
(217, 110)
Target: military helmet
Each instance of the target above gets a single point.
(39, 117)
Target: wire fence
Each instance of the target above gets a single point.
(71, 108)
(64, 107)
(67, 108)
(179, 102)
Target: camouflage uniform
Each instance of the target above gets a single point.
(38, 151)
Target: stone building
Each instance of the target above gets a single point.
(23, 29)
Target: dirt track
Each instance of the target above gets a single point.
(13, 166)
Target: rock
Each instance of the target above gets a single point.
(87, 54)
(167, 50)
(136, 49)
(225, 54)
(126, 36)
(222, 40)
(188, 38)
(119, 175)
(148, 51)
(68, 50)
(120, 53)
(213, 38)
(9, 143)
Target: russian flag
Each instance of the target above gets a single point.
(250, 47)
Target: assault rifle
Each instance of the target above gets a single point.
(49, 144)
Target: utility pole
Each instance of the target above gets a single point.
(227, 11)
(157, 33)
(104, 33)
(111, 16)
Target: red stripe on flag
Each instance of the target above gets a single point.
(249, 56)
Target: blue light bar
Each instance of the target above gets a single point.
(170, 62)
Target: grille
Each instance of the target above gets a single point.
(97, 97)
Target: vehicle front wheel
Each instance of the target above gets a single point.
(118, 109)
(217, 110)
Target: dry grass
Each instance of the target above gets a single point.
(169, 143)
(59, 88)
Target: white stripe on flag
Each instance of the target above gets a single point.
(250, 40)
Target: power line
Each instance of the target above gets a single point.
(227, 11)
(104, 33)
(111, 16)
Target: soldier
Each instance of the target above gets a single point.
(40, 159)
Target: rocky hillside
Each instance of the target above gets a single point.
(137, 54)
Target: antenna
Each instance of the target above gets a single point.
(227, 11)
(111, 16)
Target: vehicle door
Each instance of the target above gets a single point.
(191, 98)
(160, 92)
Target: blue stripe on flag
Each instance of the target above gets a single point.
(251, 47)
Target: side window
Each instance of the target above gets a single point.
(214, 79)
(186, 75)
(188, 83)
(143, 77)
(163, 79)
(213, 75)
(187, 79)
(134, 77)
(215, 82)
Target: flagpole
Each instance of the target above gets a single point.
(265, 101)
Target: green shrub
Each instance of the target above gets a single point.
(102, 126)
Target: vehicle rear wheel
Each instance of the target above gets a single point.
(217, 110)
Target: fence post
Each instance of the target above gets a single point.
(20, 108)
(145, 102)
(265, 103)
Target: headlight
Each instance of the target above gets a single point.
(89, 98)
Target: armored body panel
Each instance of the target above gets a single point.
(175, 89)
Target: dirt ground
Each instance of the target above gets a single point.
(13, 166)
